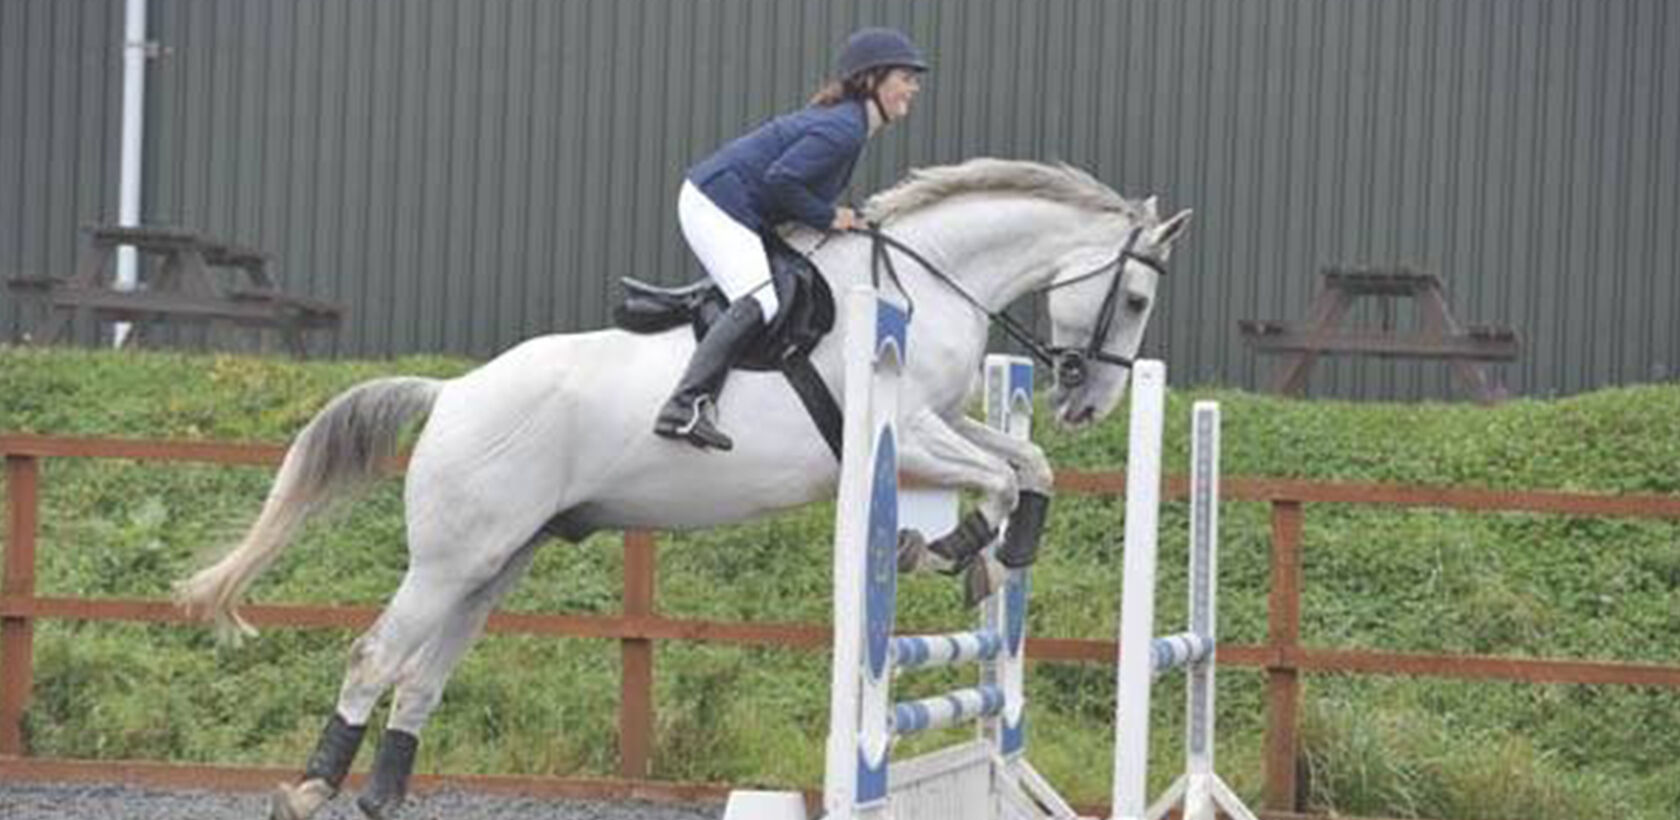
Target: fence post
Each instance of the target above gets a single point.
(17, 633)
(635, 702)
(1283, 686)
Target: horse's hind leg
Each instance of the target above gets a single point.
(430, 602)
(420, 688)
(415, 611)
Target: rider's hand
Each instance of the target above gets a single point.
(845, 219)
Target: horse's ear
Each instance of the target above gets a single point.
(1164, 234)
(1152, 206)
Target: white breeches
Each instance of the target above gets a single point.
(732, 253)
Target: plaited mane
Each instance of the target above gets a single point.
(1059, 183)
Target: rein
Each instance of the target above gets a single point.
(1070, 364)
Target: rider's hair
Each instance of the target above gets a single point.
(859, 86)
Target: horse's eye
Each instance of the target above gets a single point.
(1137, 303)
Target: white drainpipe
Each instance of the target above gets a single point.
(135, 52)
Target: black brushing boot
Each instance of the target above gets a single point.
(690, 414)
(322, 775)
(388, 785)
(1026, 526)
(337, 747)
(958, 548)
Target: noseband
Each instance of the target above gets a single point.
(1072, 365)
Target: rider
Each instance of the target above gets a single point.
(792, 168)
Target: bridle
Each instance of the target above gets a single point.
(1072, 365)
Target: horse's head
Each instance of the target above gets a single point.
(1100, 302)
(1006, 228)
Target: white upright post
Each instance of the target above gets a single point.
(1200, 781)
(1137, 606)
(1200, 789)
(1008, 408)
(865, 561)
(840, 781)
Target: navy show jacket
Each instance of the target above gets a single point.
(793, 167)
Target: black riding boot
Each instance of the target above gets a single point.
(691, 411)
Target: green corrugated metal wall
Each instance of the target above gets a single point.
(464, 173)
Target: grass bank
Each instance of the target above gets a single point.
(1401, 580)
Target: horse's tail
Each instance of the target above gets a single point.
(341, 451)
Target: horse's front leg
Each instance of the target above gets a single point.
(1035, 480)
(932, 452)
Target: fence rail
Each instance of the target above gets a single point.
(639, 625)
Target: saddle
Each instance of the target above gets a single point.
(805, 316)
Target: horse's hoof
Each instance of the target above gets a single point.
(298, 802)
(913, 554)
(983, 578)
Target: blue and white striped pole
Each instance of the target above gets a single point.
(952, 708)
(917, 651)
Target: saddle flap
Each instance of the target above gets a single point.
(653, 309)
(807, 307)
(680, 293)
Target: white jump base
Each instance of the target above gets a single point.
(988, 777)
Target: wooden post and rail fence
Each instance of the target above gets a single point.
(639, 626)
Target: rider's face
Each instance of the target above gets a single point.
(897, 91)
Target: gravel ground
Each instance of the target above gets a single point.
(38, 801)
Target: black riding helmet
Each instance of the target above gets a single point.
(876, 47)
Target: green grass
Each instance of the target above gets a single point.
(1395, 580)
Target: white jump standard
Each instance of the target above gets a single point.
(983, 778)
(988, 777)
(1199, 788)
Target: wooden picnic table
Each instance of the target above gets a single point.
(183, 291)
(1467, 348)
